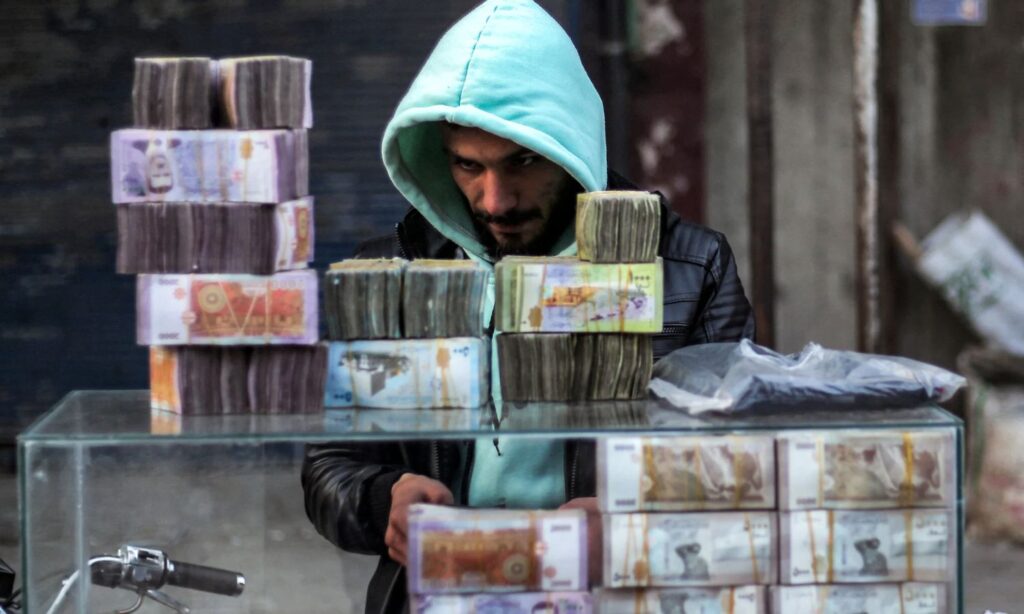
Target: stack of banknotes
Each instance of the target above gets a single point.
(198, 93)
(550, 305)
(711, 600)
(199, 238)
(407, 334)
(233, 380)
(215, 223)
(545, 367)
(908, 598)
(615, 226)
(454, 550)
(861, 521)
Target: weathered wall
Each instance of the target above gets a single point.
(961, 145)
(66, 321)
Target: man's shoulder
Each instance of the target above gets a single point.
(412, 237)
(690, 243)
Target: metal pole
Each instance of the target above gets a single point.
(758, 37)
(865, 107)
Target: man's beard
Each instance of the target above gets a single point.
(563, 213)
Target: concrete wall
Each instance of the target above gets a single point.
(961, 145)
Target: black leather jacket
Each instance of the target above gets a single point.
(348, 486)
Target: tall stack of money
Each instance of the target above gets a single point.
(867, 521)
(578, 329)
(406, 334)
(214, 215)
(687, 520)
(497, 560)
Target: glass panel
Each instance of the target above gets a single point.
(107, 417)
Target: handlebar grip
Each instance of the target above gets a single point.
(208, 579)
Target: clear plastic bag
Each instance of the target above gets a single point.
(743, 376)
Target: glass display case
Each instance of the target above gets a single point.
(101, 470)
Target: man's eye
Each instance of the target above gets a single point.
(466, 165)
(526, 160)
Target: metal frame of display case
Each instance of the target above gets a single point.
(63, 451)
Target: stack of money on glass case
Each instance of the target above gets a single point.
(867, 519)
(214, 216)
(861, 521)
(474, 560)
(579, 329)
(406, 334)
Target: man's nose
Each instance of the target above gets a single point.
(498, 197)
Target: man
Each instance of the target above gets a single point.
(496, 136)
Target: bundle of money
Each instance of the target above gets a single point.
(408, 373)
(504, 603)
(219, 380)
(565, 295)
(247, 93)
(443, 298)
(730, 600)
(685, 473)
(827, 546)
(223, 238)
(453, 550)
(564, 367)
(698, 549)
(173, 93)
(269, 91)
(258, 166)
(226, 309)
(909, 598)
(362, 299)
(618, 226)
(866, 469)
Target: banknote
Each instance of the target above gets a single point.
(269, 91)
(504, 603)
(214, 238)
(867, 469)
(247, 93)
(444, 298)
(663, 474)
(453, 550)
(729, 600)
(909, 598)
(565, 295)
(363, 299)
(238, 380)
(173, 93)
(830, 546)
(255, 166)
(408, 373)
(577, 367)
(227, 309)
(694, 549)
(618, 226)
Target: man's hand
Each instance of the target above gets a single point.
(409, 489)
(595, 547)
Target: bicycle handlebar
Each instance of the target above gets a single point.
(203, 578)
(148, 568)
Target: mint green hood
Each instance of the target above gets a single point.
(509, 69)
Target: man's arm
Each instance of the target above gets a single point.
(726, 313)
(347, 490)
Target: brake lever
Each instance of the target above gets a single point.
(165, 599)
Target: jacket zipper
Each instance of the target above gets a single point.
(435, 461)
(673, 330)
(572, 471)
(401, 247)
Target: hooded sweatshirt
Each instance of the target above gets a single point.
(509, 69)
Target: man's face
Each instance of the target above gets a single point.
(521, 202)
